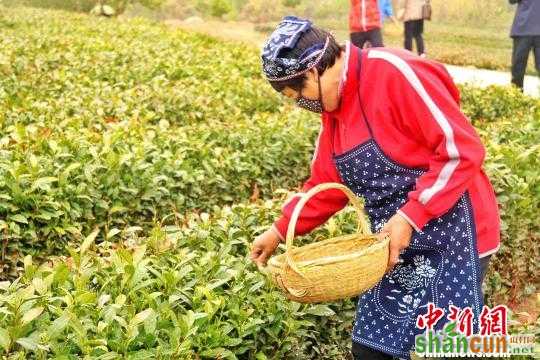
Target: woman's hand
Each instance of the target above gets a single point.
(264, 246)
(400, 232)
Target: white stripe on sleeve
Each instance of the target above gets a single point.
(442, 121)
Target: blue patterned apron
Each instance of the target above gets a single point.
(441, 265)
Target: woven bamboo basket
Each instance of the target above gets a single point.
(333, 269)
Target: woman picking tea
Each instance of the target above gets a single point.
(391, 131)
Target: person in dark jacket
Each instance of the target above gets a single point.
(526, 35)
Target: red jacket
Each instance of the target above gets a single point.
(413, 108)
(364, 16)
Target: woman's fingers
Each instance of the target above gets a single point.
(394, 246)
(261, 257)
(255, 252)
(393, 257)
(264, 246)
(400, 237)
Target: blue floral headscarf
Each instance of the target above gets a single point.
(285, 37)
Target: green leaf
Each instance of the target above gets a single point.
(27, 262)
(31, 344)
(138, 254)
(86, 297)
(70, 168)
(199, 315)
(5, 339)
(89, 240)
(217, 353)
(31, 315)
(141, 316)
(256, 286)
(112, 232)
(58, 325)
(39, 285)
(121, 321)
(43, 183)
(117, 209)
(109, 356)
(320, 310)
(19, 218)
(260, 356)
(450, 329)
(120, 299)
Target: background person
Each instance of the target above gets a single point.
(386, 10)
(526, 36)
(365, 23)
(410, 12)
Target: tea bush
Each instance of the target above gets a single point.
(119, 132)
(509, 123)
(108, 134)
(495, 103)
(102, 133)
(186, 292)
(513, 154)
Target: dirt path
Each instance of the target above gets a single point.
(245, 32)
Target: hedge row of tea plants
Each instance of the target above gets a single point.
(105, 133)
(117, 133)
(100, 133)
(188, 291)
(110, 123)
(513, 165)
(494, 103)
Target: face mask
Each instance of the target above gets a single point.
(311, 105)
(315, 106)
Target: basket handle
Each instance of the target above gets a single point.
(363, 226)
